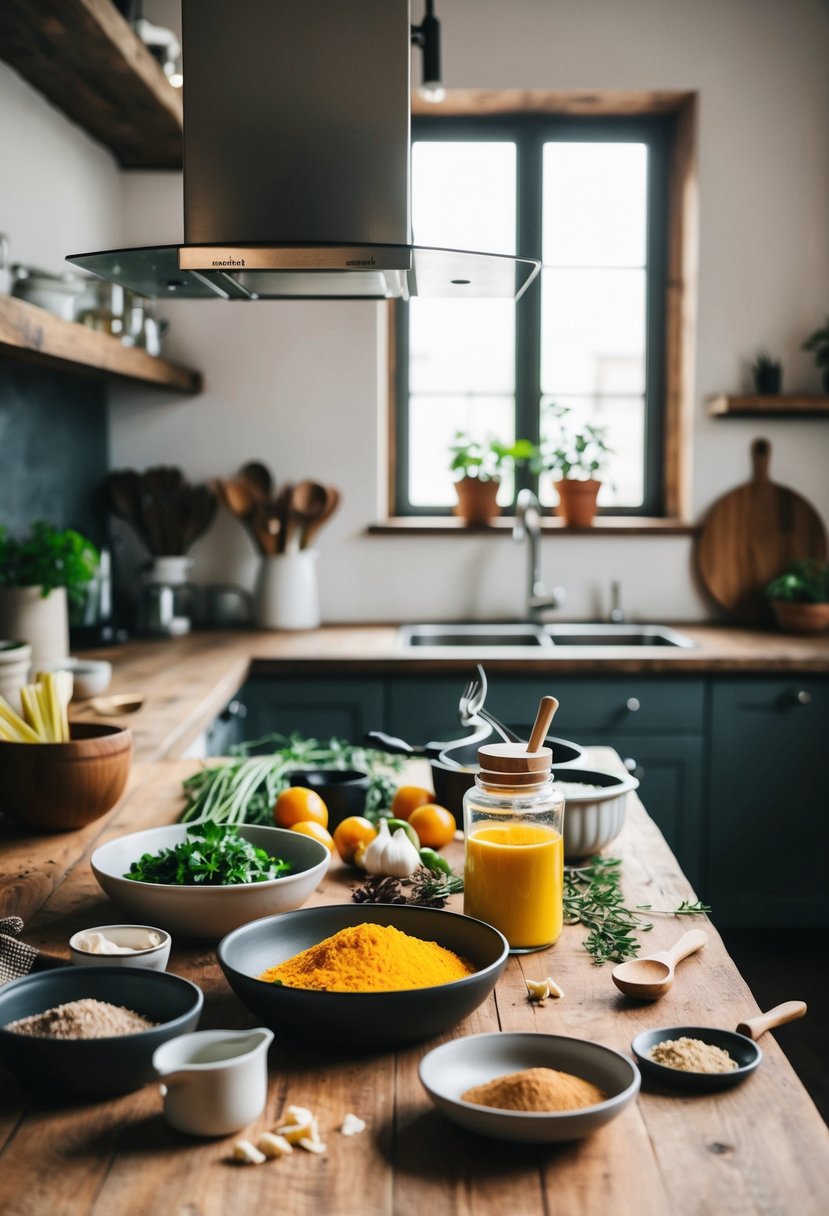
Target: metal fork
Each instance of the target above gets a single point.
(471, 708)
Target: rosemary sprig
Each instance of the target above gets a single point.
(593, 897)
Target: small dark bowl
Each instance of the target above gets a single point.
(741, 1048)
(99, 1068)
(366, 1019)
(343, 791)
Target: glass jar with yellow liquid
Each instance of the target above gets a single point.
(514, 856)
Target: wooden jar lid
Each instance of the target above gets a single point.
(511, 764)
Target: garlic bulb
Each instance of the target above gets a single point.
(393, 856)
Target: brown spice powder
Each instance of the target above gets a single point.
(84, 1019)
(692, 1055)
(536, 1089)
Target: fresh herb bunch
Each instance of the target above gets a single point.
(803, 582)
(212, 855)
(486, 459)
(245, 788)
(48, 558)
(593, 897)
(578, 452)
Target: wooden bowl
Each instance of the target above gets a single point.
(59, 787)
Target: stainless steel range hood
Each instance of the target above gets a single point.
(296, 164)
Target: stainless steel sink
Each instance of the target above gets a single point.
(525, 636)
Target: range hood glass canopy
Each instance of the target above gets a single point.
(297, 163)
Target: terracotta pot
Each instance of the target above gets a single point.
(577, 501)
(477, 500)
(41, 621)
(59, 787)
(801, 618)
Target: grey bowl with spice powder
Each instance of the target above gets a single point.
(125, 1012)
(742, 1051)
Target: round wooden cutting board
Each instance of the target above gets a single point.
(750, 535)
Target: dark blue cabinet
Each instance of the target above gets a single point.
(768, 809)
(318, 708)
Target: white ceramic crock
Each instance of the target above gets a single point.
(214, 1082)
(287, 593)
(42, 621)
(15, 661)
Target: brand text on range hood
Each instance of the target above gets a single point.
(296, 164)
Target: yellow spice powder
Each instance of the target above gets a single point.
(370, 958)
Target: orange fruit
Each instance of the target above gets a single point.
(308, 827)
(434, 825)
(350, 834)
(408, 798)
(297, 804)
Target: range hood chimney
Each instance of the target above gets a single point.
(297, 163)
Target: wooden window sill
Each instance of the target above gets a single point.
(605, 525)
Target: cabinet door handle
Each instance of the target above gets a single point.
(634, 768)
(802, 697)
(235, 709)
(633, 704)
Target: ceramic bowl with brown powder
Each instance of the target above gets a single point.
(598, 1085)
(119, 1058)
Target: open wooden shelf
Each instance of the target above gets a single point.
(33, 334)
(87, 60)
(785, 405)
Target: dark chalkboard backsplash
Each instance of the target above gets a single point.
(54, 449)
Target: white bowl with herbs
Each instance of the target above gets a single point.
(205, 879)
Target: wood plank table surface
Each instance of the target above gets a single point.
(758, 1148)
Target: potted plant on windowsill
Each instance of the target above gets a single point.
(38, 575)
(800, 597)
(480, 465)
(576, 454)
(767, 374)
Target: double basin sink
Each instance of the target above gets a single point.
(527, 636)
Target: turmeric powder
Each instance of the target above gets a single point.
(370, 958)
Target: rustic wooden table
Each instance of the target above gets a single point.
(759, 1148)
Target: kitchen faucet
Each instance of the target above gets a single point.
(527, 527)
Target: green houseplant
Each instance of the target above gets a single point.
(38, 575)
(800, 597)
(480, 465)
(767, 374)
(818, 344)
(576, 453)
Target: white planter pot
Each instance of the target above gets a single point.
(41, 621)
(287, 594)
(15, 661)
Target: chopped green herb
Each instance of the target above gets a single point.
(212, 855)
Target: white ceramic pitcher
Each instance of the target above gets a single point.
(287, 594)
(215, 1082)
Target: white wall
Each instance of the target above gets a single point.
(302, 384)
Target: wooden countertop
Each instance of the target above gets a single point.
(759, 1148)
(187, 681)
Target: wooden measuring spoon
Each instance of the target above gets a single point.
(647, 979)
(789, 1011)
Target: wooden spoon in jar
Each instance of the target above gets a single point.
(647, 979)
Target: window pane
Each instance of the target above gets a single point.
(595, 204)
(463, 195)
(433, 422)
(464, 346)
(624, 417)
(592, 331)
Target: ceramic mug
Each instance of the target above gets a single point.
(215, 1082)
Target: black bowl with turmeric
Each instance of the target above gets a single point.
(369, 1019)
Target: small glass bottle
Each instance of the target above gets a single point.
(514, 853)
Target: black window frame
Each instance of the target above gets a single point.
(530, 132)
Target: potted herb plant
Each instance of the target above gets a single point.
(800, 597)
(576, 454)
(480, 464)
(818, 344)
(767, 374)
(38, 576)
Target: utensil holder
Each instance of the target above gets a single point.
(287, 592)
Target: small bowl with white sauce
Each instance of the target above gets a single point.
(121, 946)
